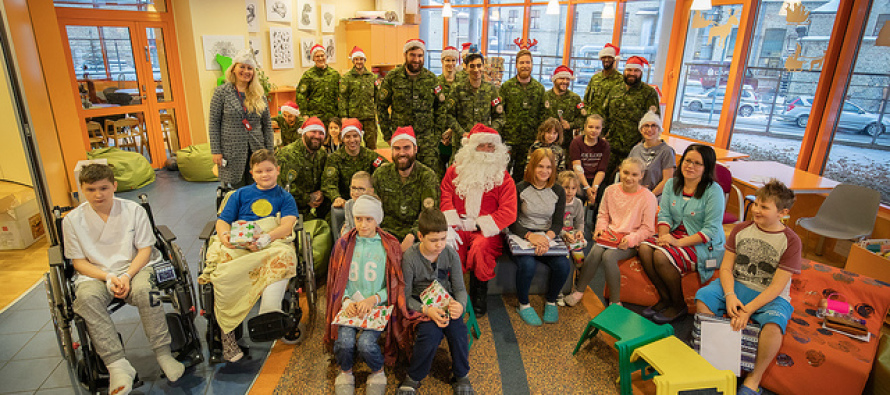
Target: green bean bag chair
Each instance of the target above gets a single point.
(196, 163)
(131, 169)
(322, 242)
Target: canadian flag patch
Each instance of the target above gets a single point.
(496, 101)
(377, 162)
(580, 105)
(376, 82)
(438, 89)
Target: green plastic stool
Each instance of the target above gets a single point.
(224, 63)
(631, 331)
(472, 324)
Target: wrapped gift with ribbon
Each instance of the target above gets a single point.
(244, 232)
(376, 319)
(435, 295)
(610, 239)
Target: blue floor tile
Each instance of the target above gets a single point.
(27, 375)
(11, 344)
(23, 321)
(35, 300)
(58, 391)
(60, 378)
(42, 345)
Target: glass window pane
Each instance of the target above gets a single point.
(465, 26)
(783, 69)
(706, 61)
(431, 34)
(104, 65)
(504, 26)
(550, 32)
(591, 31)
(158, 57)
(640, 34)
(860, 150)
(128, 5)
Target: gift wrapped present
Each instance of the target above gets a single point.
(610, 239)
(435, 296)
(243, 233)
(376, 319)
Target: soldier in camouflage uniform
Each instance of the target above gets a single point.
(603, 82)
(564, 105)
(414, 95)
(302, 163)
(472, 101)
(405, 187)
(317, 91)
(288, 123)
(358, 94)
(523, 99)
(447, 80)
(624, 107)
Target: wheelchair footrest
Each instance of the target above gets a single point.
(270, 326)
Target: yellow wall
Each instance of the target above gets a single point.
(197, 18)
(13, 163)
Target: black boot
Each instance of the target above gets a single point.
(473, 290)
(481, 307)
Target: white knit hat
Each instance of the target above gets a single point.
(651, 117)
(245, 56)
(368, 206)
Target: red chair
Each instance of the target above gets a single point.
(724, 178)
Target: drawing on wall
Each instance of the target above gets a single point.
(281, 46)
(256, 45)
(253, 20)
(279, 10)
(223, 45)
(328, 23)
(306, 15)
(306, 44)
(329, 48)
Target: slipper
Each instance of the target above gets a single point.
(551, 313)
(462, 386)
(408, 387)
(744, 390)
(529, 316)
(649, 312)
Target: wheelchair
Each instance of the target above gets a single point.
(294, 329)
(172, 278)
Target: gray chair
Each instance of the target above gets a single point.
(849, 212)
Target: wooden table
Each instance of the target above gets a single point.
(680, 144)
(756, 173)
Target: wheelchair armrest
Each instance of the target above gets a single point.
(54, 254)
(207, 231)
(166, 233)
(298, 226)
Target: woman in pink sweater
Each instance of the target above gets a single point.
(626, 218)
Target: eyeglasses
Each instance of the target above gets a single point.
(646, 126)
(357, 189)
(692, 163)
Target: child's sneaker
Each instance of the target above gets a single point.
(408, 387)
(462, 386)
(560, 300)
(376, 384)
(344, 384)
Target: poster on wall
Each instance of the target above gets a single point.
(329, 48)
(306, 44)
(307, 15)
(256, 45)
(279, 10)
(253, 20)
(328, 22)
(281, 46)
(223, 45)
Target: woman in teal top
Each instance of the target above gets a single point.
(690, 232)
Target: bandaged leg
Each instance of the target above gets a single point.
(272, 296)
(120, 377)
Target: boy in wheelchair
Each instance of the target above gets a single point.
(110, 244)
(241, 275)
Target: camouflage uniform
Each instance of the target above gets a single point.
(357, 95)
(445, 151)
(317, 93)
(523, 113)
(414, 101)
(403, 200)
(307, 168)
(341, 166)
(597, 89)
(289, 133)
(569, 107)
(624, 107)
(467, 106)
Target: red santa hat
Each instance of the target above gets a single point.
(609, 51)
(465, 47)
(651, 117)
(352, 125)
(245, 57)
(415, 43)
(403, 133)
(316, 48)
(562, 71)
(357, 53)
(313, 123)
(450, 51)
(481, 134)
(291, 108)
(636, 62)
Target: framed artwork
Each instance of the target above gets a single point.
(281, 46)
(330, 48)
(256, 45)
(279, 10)
(223, 45)
(253, 18)
(307, 15)
(328, 18)
(306, 44)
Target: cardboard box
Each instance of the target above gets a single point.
(20, 222)
(412, 19)
(867, 263)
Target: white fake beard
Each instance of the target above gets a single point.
(478, 173)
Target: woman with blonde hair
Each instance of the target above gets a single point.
(240, 123)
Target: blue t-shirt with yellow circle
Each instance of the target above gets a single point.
(251, 203)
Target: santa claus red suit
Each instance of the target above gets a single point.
(479, 199)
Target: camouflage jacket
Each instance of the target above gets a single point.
(597, 89)
(305, 167)
(413, 101)
(341, 166)
(358, 93)
(523, 111)
(317, 93)
(403, 200)
(466, 106)
(289, 133)
(568, 107)
(624, 107)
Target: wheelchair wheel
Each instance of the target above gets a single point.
(60, 324)
(308, 280)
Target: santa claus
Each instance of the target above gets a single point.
(479, 199)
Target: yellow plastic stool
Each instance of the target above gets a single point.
(680, 368)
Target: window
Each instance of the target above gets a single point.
(101, 53)
(550, 35)
(640, 35)
(596, 22)
(535, 19)
(431, 34)
(882, 19)
(587, 43)
(465, 26)
(514, 16)
(772, 43)
(504, 26)
(129, 5)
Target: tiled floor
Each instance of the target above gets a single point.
(30, 359)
